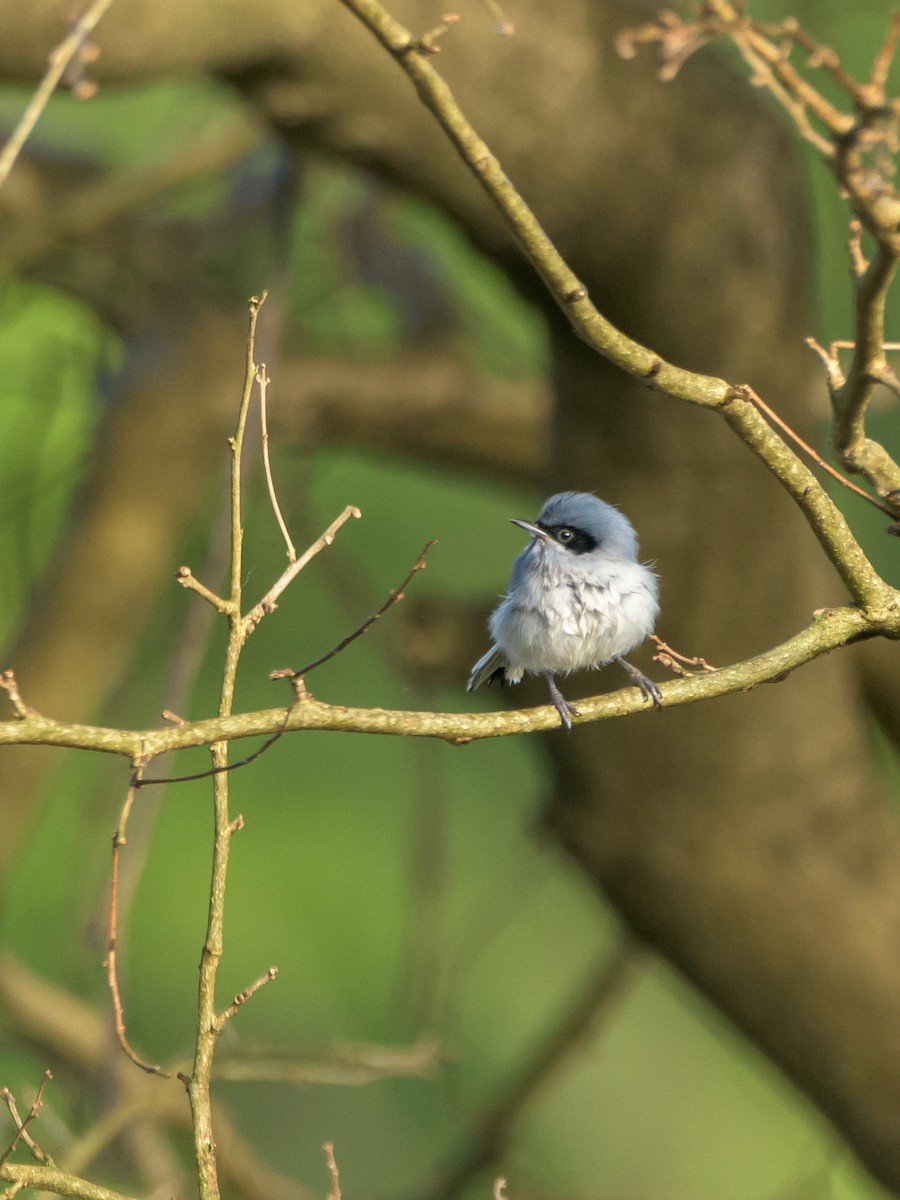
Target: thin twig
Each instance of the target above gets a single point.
(816, 457)
(244, 996)
(858, 144)
(269, 601)
(677, 662)
(396, 595)
(199, 1081)
(112, 940)
(9, 685)
(881, 64)
(188, 580)
(263, 381)
(335, 1192)
(60, 59)
(22, 1126)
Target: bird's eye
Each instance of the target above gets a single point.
(565, 535)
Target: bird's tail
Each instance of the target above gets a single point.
(490, 665)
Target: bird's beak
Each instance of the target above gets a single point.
(530, 527)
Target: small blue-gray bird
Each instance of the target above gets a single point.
(578, 597)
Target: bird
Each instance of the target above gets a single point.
(577, 598)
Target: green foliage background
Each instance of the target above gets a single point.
(666, 1100)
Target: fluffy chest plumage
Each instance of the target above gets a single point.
(566, 612)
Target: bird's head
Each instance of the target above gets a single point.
(579, 523)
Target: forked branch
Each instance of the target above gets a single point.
(858, 143)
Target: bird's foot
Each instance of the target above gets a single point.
(566, 710)
(648, 688)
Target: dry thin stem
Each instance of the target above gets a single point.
(396, 595)
(884, 58)
(263, 381)
(813, 454)
(335, 1192)
(676, 662)
(188, 580)
(22, 1126)
(199, 1081)
(269, 601)
(60, 61)
(112, 940)
(9, 685)
(73, 1033)
(250, 622)
(244, 996)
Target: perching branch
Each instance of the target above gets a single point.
(830, 629)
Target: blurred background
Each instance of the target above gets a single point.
(424, 928)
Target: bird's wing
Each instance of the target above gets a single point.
(486, 667)
(519, 569)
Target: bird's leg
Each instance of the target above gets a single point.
(560, 703)
(648, 688)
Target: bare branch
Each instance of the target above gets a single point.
(268, 602)
(22, 1126)
(60, 61)
(41, 1178)
(678, 664)
(830, 629)
(263, 381)
(335, 1193)
(858, 147)
(396, 595)
(112, 940)
(813, 454)
(296, 677)
(244, 996)
(9, 685)
(186, 578)
(199, 1081)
